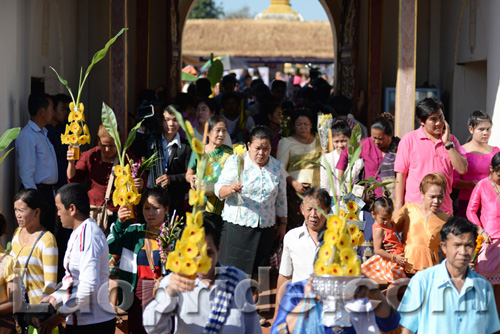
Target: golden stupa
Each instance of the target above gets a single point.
(279, 10)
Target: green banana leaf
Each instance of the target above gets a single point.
(109, 121)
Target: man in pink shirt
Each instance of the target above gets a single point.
(429, 149)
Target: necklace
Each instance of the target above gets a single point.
(495, 187)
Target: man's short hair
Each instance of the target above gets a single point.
(60, 98)
(457, 226)
(320, 194)
(427, 107)
(76, 194)
(36, 101)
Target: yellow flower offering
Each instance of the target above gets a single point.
(197, 145)
(239, 149)
(353, 229)
(337, 270)
(352, 206)
(190, 129)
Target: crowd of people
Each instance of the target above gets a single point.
(265, 207)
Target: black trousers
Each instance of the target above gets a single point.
(107, 327)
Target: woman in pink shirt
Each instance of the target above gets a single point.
(486, 194)
(478, 154)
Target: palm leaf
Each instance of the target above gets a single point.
(7, 137)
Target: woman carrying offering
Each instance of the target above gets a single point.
(253, 200)
(384, 265)
(34, 247)
(478, 154)
(421, 224)
(486, 195)
(217, 153)
(140, 263)
(302, 145)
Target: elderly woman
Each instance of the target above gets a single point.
(253, 200)
(302, 145)
(217, 152)
(421, 224)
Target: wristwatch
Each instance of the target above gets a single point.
(450, 146)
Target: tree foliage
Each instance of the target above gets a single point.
(206, 9)
(242, 13)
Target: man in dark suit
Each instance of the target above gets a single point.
(170, 171)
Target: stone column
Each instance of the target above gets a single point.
(405, 85)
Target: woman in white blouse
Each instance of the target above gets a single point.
(253, 201)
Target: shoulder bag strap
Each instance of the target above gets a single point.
(149, 254)
(31, 252)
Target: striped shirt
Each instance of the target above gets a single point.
(41, 274)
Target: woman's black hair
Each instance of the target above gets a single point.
(495, 162)
(76, 194)
(303, 112)
(384, 122)
(383, 202)
(33, 199)
(3, 224)
(427, 107)
(160, 194)
(341, 127)
(211, 104)
(213, 121)
(260, 132)
(478, 116)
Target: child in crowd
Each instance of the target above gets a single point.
(486, 195)
(384, 265)
(341, 134)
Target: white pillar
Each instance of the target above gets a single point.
(493, 91)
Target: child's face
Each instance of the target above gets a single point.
(381, 216)
(340, 142)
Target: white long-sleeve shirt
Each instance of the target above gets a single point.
(84, 291)
(192, 309)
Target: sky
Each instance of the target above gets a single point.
(311, 10)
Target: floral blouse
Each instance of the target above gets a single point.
(263, 196)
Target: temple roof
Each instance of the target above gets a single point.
(283, 41)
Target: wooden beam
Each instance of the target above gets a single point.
(375, 61)
(119, 64)
(142, 46)
(405, 85)
(173, 38)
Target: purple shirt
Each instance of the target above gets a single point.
(478, 169)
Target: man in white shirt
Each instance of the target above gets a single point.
(83, 299)
(300, 243)
(35, 154)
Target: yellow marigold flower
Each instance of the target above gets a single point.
(86, 130)
(189, 249)
(73, 139)
(351, 216)
(65, 140)
(353, 268)
(137, 199)
(344, 242)
(353, 229)
(121, 181)
(189, 219)
(194, 233)
(130, 197)
(360, 237)
(320, 268)
(80, 107)
(198, 219)
(342, 213)
(72, 106)
(118, 170)
(119, 196)
(352, 206)
(209, 169)
(203, 249)
(195, 198)
(336, 269)
(82, 140)
(331, 237)
(334, 222)
(347, 255)
(196, 145)
(189, 267)
(204, 264)
(325, 252)
(76, 116)
(189, 128)
(127, 170)
(173, 262)
(239, 149)
(68, 129)
(75, 128)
